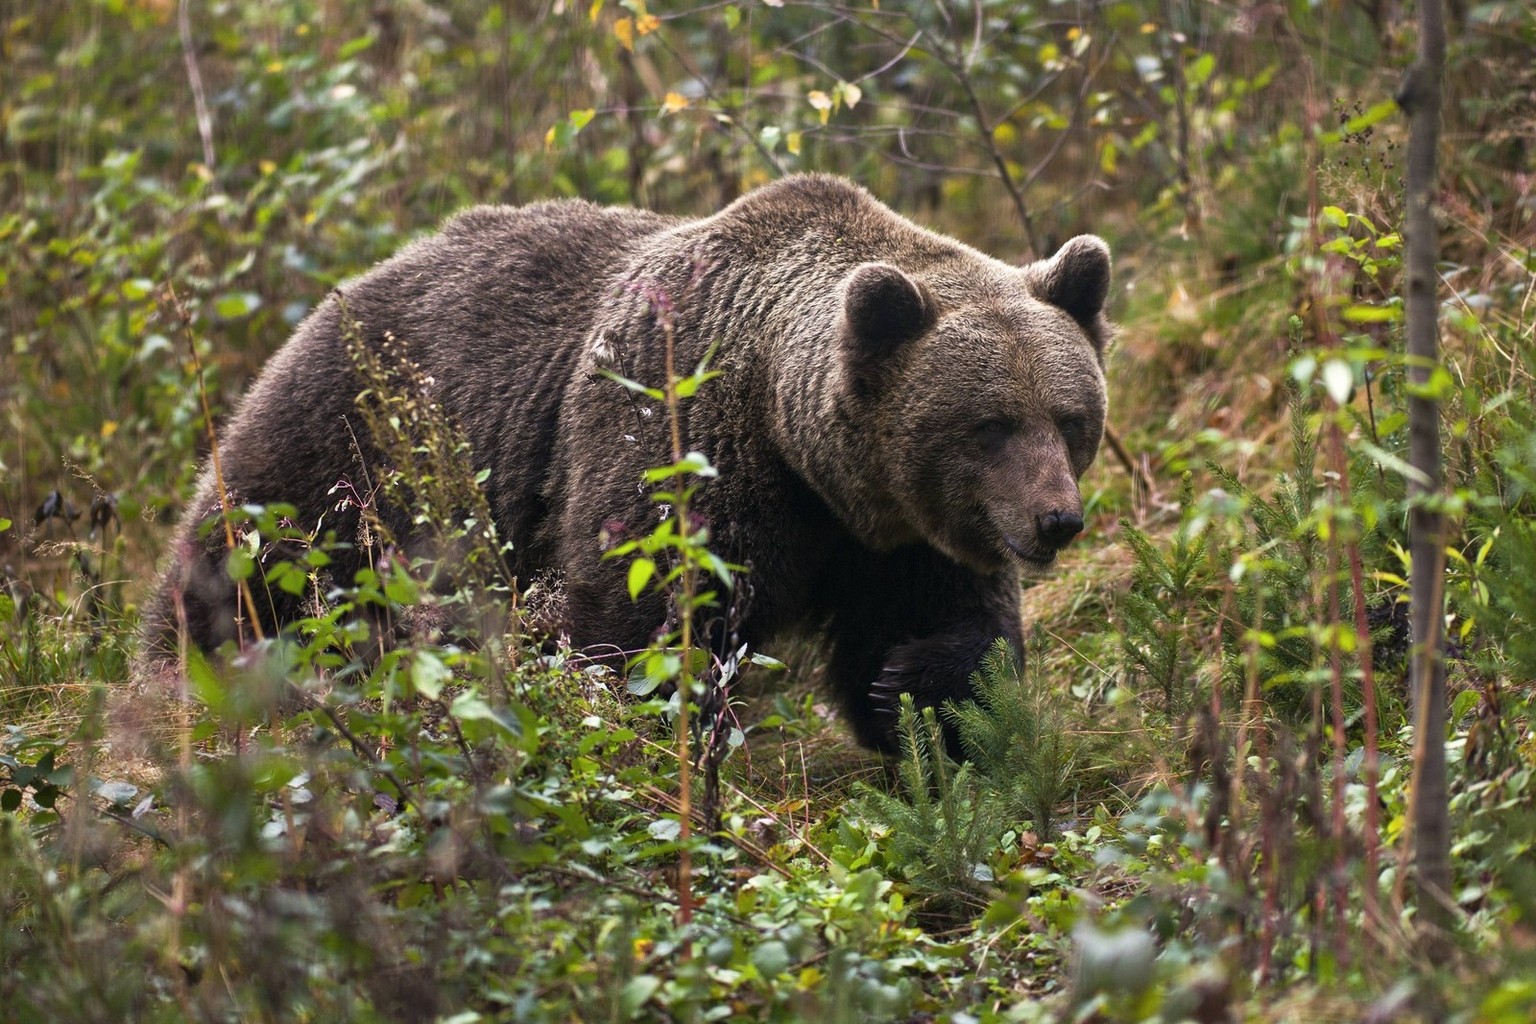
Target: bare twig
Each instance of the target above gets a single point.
(214, 461)
(358, 746)
(195, 79)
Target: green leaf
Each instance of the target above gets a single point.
(10, 800)
(771, 958)
(117, 793)
(694, 462)
(1462, 706)
(719, 567)
(1375, 115)
(1335, 216)
(634, 385)
(1387, 460)
(353, 47)
(429, 674)
(1372, 314)
(234, 305)
(561, 134)
(638, 990)
(1200, 71)
(240, 564)
(697, 464)
(401, 589)
(137, 288)
(288, 578)
(640, 572)
(641, 684)
(471, 707)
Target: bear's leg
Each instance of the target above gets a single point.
(214, 609)
(198, 598)
(911, 621)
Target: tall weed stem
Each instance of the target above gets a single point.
(689, 583)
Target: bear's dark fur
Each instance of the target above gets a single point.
(899, 427)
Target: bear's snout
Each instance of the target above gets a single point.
(1056, 528)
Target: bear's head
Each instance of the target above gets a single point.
(979, 389)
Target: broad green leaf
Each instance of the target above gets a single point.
(240, 564)
(137, 288)
(771, 958)
(234, 305)
(116, 793)
(636, 993)
(469, 706)
(1200, 71)
(429, 674)
(401, 589)
(640, 572)
(353, 47)
(1372, 314)
(641, 684)
(688, 386)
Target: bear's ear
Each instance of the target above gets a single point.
(883, 309)
(1076, 279)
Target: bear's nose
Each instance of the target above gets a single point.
(1058, 528)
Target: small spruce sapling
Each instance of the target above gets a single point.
(1023, 755)
(1018, 737)
(947, 821)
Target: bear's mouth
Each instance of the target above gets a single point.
(1028, 553)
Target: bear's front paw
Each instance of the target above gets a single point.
(885, 694)
(934, 670)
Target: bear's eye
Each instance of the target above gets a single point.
(1073, 428)
(992, 433)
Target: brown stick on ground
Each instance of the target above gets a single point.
(1123, 456)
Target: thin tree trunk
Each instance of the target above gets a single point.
(1420, 98)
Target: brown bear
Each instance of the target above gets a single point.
(898, 427)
